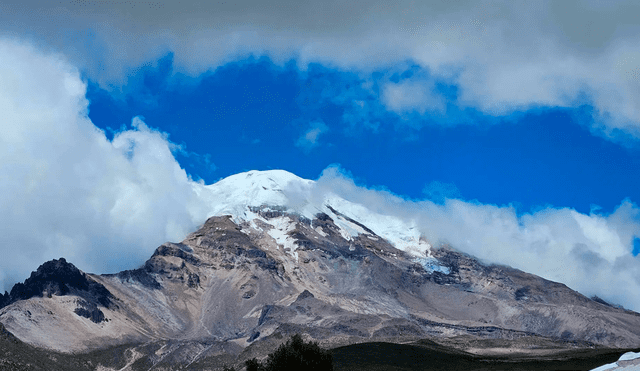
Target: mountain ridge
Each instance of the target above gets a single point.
(261, 271)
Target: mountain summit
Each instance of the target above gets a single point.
(242, 194)
(278, 256)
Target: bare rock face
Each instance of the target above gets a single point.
(237, 283)
(60, 278)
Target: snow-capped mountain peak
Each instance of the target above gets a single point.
(236, 194)
(239, 194)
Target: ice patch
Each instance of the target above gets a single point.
(399, 233)
(348, 228)
(280, 232)
(629, 356)
(346, 232)
(431, 265)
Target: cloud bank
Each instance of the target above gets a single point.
(592, 254)
(65, 189)
(503, 56)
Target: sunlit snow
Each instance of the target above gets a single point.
(238, 194)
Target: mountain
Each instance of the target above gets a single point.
(278, 256)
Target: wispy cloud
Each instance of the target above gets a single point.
(412, 96)
(311, 138)
(203, 161)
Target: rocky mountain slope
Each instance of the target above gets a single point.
(275, 259)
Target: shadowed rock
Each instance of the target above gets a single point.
(305, 294)
(58, 277)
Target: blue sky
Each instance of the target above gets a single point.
(510, 130)
(251, 114)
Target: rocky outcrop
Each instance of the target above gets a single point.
(60, 278)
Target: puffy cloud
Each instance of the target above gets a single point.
(592, 254)
(65, 189)
(502, 55)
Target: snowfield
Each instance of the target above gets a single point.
(237, 194)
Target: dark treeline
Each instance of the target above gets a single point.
(295, 354)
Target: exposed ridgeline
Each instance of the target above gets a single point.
(58, 277)
(264, 268)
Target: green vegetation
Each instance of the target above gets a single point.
(295, 354)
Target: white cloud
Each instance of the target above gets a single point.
(412, 96)
(590, 253)
(65, 189)
(503, 55)
(310, 139)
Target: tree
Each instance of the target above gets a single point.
(253, 365)
(295, 354)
